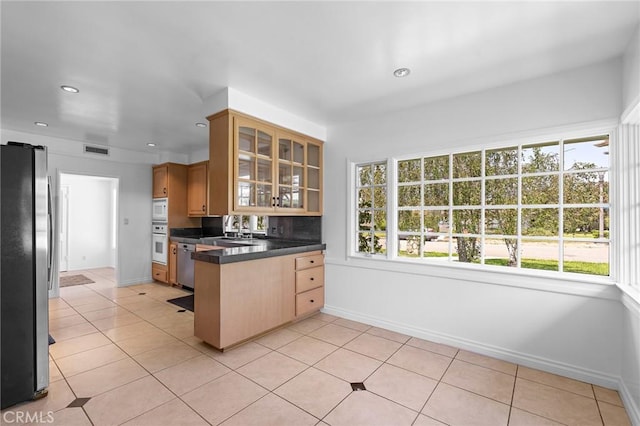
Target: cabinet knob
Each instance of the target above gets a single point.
(312, 261)
(274, 201)
(311, 278)
(203, 207)
(164, 190)
(311, 300)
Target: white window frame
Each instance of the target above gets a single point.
(530, 138)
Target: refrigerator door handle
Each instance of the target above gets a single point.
(51, 236)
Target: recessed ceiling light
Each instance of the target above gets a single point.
(41, 124)
(402, 72)
(69, 89)
(201, 125)
(151, 144)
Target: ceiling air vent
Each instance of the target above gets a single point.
(92, 149)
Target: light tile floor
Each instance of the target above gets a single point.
(136, 359)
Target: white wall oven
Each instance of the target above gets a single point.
(160, 209)
(160, 243)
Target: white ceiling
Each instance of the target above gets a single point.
(145, 68)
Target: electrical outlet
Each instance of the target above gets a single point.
(126, 220)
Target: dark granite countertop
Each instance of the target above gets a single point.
(240, 250)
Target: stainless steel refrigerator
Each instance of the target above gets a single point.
(25, 272)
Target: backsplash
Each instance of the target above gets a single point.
(212, 226)
(303, 228)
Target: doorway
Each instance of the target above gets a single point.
(87, 223)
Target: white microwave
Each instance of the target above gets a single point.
(160, 209)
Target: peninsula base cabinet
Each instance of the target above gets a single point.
(237, 301)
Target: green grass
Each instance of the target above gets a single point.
(591, 268)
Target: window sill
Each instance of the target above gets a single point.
(566, 283)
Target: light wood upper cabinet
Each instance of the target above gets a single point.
(197, 189)
(260, 168)
(160, 181)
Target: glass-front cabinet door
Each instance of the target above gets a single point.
(291, 173)
(314, 178)
(254, 183)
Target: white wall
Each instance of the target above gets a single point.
(90, 224)
(631, 72)
(578, 334)
(133, 169)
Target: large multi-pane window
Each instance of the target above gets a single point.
(533, 206)
(371, 214)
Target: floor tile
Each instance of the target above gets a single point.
(88, 360)
(307, 326)
(172, 413)
(388, 334)
(324, 317)
(54, 372)
(456, 406)
(116, 321)
(138, 344)
(58, 397)
(222, 398)
(57, 303)
(483, 381)
(68, 321)
(191, 374)
(520, 417)
(613, 415)
(433, 347)
(556, 381)
(105, 378)
(348, 365)
(420, 361)
(278, 338)
(70, 417)
(404, 387)
(241, 355)
(130, 330)
(485, 361)
(423, 420)
(271, 411)
(315, 391)
(90, 298)
(373, 346)
(272, 370)
(61, 313)
(335, 334)
(171, 320)
(70, 332)
(607, 395)
(352, 324)
(556, 404)
(78, 344)
(95, 306)
(105, 313)
(180, 331)
(166, 356)
(308, 350)
(364, 408)
(127, 402)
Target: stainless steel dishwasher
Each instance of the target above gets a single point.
(186, 265)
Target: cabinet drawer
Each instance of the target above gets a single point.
(309, 301)
(159, 273)
(309, 278)
(309, 261)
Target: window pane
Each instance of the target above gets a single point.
(586, 257)
(466, 193)
(436, 194)
(436, 221)
(297, 197)
(246, 168)
(501, 221)
(364, 197)
(540, 254)
(409, 220)
(364, 175)
(379, 197)
(501, 251)
(586, 188)
(264, 145)
(284, 173)
(285, 196)
(540, 189)
(409, 245)
(264, 170)
(364, 219)
(409, 196)
(466, 221)
(380, 220)
(380, 174)
(365, 242)
(467, 249)
(437, 250)
(264, 196)
(540, 222)
(284, 149)
(501, 162)
(298, 176)
(467, 164)
(246, 136)
(246, 194)
(501, 191)
(436, 168)
(587, 222)
(409, 170)
(298, 152)
(586, 153)
(542, 157)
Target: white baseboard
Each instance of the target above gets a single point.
(527, 360)
(633, 410)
